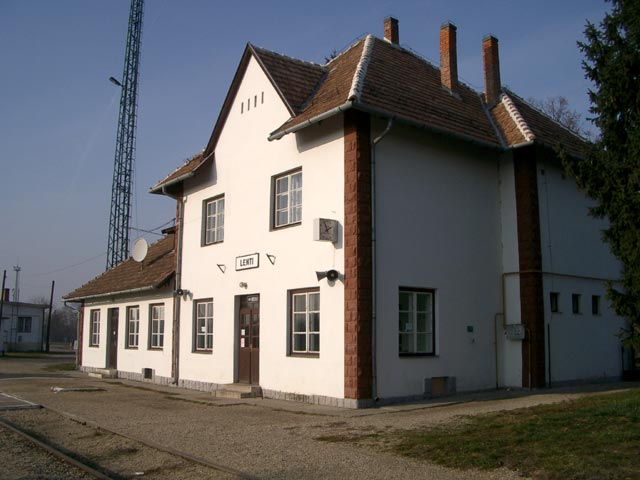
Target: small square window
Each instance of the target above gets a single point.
(554, 300)
(575, 303)
(287, 199)
(595, 304)
(416, 322)
(24, 324)
(304, 320)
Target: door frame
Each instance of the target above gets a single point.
(237, 352)
(112, 339)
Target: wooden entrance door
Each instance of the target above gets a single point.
(112, 332)
(249, 338)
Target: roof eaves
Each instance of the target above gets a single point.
(487, 112)
(158, 187)
(279, 132)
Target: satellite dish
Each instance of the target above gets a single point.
(140, 249)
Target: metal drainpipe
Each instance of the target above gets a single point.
(374, 296)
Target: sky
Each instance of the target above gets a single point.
(59, 112)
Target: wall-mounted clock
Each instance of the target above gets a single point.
(325, 229)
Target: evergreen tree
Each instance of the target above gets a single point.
(610, 174)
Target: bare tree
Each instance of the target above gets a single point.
(558, 109)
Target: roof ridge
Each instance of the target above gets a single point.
(255, 47)
(361, 69)
(545, 114)
(517, 118)
(347, 49)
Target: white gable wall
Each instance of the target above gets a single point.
(438, 227)
(245, 162)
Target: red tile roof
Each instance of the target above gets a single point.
(153, 272)
(187, 169)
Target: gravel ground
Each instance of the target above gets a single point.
(267, 438)
(21, 459)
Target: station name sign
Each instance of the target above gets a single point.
(246, 262)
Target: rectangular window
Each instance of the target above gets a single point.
(305, 321)
(287, 200)
(156, 338)
(133, 326)
(94, 328)
(213, 220)
(575, 303)
(416, 312)
(554, 299)
(595, 304)
(203, 325)
(24, 324)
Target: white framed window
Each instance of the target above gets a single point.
(287, 200)
(213, 231)
(94, 328)
(203, 325)
(156, 332)
(305, 321)
(416, 316)
(24, 324)
(554, 300)
(133, 326)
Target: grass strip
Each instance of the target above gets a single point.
(589, 438)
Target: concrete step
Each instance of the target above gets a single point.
(239, 390)
(104, 373)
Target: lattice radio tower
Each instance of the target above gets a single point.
(121, 190)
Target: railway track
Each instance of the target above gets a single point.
(102, 453)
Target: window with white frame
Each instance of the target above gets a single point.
(203, 325)
(24, 324)
(416, 314)
(133, 326)
(554, 300)
(213, 220)
(287, 201)
(94, 328)
(156, 332)
(305, 321)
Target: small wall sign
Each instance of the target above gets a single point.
(247, 262)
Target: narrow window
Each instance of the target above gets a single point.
(416, 316)
(262, 98)
(255, 100)
(304, 321)
(203, 325)
(213, 231)
(575, 303)
(24, 324)
(248, 104)
(94, 328)
(156, 339)
(133, 326)
(595, 304)
(241, 107)
(287, 201)
(554, 298)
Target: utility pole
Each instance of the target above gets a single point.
(16, 289)
(121, 190)
(53, 284)
(4, 278)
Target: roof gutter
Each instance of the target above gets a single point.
(121, 292)
(318, 118)
(163, 186)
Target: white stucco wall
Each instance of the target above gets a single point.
(438, 227)
(13, 340)
(583, 346)
(132, 360)
(245, 162)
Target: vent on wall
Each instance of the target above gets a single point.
(439, 386)
(147, 373)
(246, 106)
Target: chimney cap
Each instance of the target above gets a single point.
(489, 37)
(448, 24)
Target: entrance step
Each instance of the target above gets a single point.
(239, 390)
(104, 373)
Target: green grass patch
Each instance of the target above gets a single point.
(595, 437)
(60, 367)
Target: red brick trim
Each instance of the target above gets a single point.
(357, 256)
(530, 257)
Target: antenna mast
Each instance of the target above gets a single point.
(121, 190)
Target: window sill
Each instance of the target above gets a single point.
(284, 227)
(130, 348)
(156, 349)
(212, 243)
(94, 346)
(203, 352)
(417, 354)
(304, 355)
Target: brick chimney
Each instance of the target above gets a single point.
(448, 56)
(491, 62)
(391, 31)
